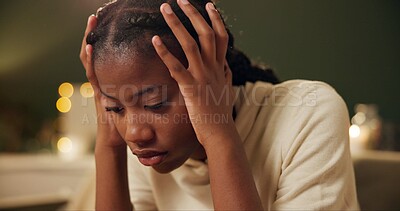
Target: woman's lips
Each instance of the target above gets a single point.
(150, 158)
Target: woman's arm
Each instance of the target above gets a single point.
(206, 85)
(112, 192)
(232, 182)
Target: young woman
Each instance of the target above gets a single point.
(208, 130)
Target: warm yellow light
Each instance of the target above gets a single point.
(63, 104)
(64, 145)
(87, 90)
(354, 131)
(66, 90)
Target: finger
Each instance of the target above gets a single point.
(91, 24)
(175, 67)
(228, 81)
(90, 70)
(204, 31)
(228, 73)
(187, 42)
(221, 35)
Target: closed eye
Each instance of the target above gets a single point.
(116, 110)
(157, 106)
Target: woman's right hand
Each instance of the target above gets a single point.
(107, 134)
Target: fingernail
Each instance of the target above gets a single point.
(167, 9)
(87, 49)
(157, 40)
(211, 6)
(184, 1)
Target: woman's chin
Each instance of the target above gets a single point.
(165, 168)
(162, 170)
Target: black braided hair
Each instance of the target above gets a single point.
(127, 26)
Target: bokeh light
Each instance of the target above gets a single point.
(354, 131)
(87, 90)
(64, 145)
(66, 90)
(359, 118)
(63, 105)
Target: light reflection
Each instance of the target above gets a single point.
(354, 131)
(63, 105)
(66, 90)
(64, 145)
(87, 90)
(359, 118)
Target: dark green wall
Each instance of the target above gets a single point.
(39, 47)
(353, 45)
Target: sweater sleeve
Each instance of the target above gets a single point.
(139, 186)
(316, 171)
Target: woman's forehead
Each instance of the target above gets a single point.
(131, 93)
(132, 70)
(134, 77)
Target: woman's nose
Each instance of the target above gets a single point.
(140, 134)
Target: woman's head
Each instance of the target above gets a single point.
(145, 102)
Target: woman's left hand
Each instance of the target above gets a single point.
(206, 84)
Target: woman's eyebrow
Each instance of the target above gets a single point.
(137, 94)
(146, 90)
(111, 97)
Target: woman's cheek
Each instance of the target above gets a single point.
(121, 124)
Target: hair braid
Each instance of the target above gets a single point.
(147, 20)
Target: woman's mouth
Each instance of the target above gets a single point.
(150, 158)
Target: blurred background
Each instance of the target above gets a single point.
(46, 110)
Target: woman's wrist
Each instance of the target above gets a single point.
(101, 149)
(222, 135)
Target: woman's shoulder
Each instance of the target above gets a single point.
(290, 108)
(292, 100)
(306, 86)
(298, 93)
(302, 82)
(313, 110)
(291, 94)
(307, 100)
(303, 114)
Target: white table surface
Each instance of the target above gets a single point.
(29, 180)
